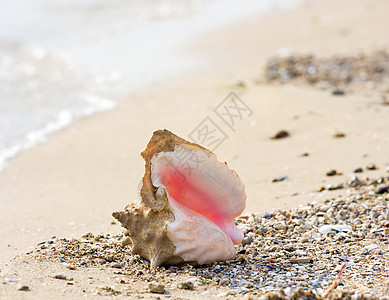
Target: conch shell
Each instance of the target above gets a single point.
(189, 201)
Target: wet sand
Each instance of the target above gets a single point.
(71, 184)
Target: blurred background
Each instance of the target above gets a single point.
(63, 60)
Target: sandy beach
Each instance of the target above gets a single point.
(71, 184)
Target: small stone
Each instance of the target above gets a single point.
(303, 260)
(186, 285)
(10, 280)
(97, 238)
(224, 281)
(354, 182)
(246, 240)
(339, 135)
(60, 276)
(23, 288)
(332, 173)
(156, 287)
(334, 228)
(382, 190)
(371, 166)
(116, 265)
(88, 235)
(282, 178)
(100, 261)
(62, 261)
(315, 283)
(126, 241)
(280, 135)
(358, 170)
(338, 92)
(110, 258)
(279, 226)
(332, 187)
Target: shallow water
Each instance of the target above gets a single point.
(66, 59)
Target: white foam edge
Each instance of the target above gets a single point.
(63, 119)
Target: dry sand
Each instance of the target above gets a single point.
(71, 184)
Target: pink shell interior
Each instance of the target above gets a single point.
(218, 196)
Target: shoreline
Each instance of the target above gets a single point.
(91, 79)
(71, 184)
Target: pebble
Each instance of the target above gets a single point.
(280, 135)
(101, 261)
(334, 228)
(282, 178)
(371, 166)
(354, 181)
(332, 187)
(358, 170)
(62, 261)
(279, 226)
(88, 235)
(315, 283)
(333, 172)
(116, 265)
(338, 92)
(382, 190)
(126, 241)
(23, 288)
(305, 260)
(156, 287)
(60, 276)
(10, 280)
(246, 240)
(223, 294)
(186, 285)
(339, 135)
